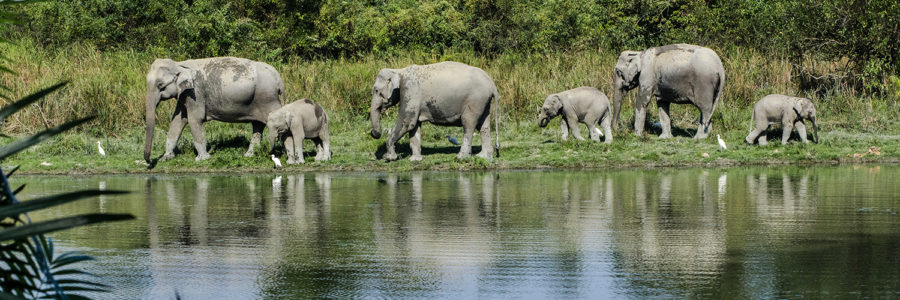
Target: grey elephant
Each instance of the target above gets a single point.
(587, 105)
(445, 94)
(680, 73)
(301, 119)
(787, 110)
(227, 89)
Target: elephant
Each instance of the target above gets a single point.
(678, 73)
(227, 89)
(787, 110)
(444, 94)
(301, 119)
(587, 105)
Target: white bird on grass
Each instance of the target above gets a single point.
(721, 142)
(99, 148)
(277, 161)
(600, 133)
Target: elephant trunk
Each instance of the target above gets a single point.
(543, 121)
(152, 101)
(815, 130)
(273, 135)
(618, 90)
(375, 115)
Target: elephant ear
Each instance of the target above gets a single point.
(393, 82)
(185, 79)
(557, 103)
(798, 107)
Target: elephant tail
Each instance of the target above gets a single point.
(496, 97)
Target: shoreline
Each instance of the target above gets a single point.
(407, 167)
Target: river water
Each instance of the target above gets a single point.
(786, 232)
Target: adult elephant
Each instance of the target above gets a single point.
(445, 94)
(227, 89)
(677, 73)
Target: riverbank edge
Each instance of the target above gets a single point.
(401, 166)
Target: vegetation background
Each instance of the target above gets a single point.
(842, 54)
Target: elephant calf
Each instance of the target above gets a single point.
(584, 104)
(302, 119)
(789, 111)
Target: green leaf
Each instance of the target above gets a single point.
(8, 296)
(44, 202)
(20, 145)
(22, 103)
(71, 260)
(19, 232)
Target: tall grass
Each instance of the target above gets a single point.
(111, 85)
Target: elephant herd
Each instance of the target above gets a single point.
(238, 90)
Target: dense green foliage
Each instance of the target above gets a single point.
(863, 31)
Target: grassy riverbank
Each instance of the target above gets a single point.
(111, 86)
(524, 146)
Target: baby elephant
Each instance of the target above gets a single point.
(789, 111)
(301, 119)
(584, 104)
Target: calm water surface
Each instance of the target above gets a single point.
(738, 233)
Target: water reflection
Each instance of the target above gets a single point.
(735, 233)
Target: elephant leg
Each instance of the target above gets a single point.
(299, 134)
(640, 110)
(786, 132)
(565, 130)
(606, 124)
(573, 128)
(592, 129)
(199, 137)
(323, 149)
(754, 134)
(763, 138)
(289, 149)
(415, 142)
(255, 137)
(801, 129)
(664, 119)
(176, 127)
(487, 149)
(468, 132)
(705, 124)
(400, 128)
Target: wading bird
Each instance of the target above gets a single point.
(452, 140)
(721, 142)
(277, 161)
(598, 131)
(99, 148)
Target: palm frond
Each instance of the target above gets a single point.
(22, 103)
(23, 144)
(43, 227)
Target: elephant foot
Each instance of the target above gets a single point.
(322, 157)
(390, 156)
(203, 156)
(485, 155)
(248, 154)
(463, 155)
(291, 161)
(167, 156)
(415, 157)
(666, 135)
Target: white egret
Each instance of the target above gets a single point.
(721, 142)
(277, 161)
(599, 133)
(100, 149)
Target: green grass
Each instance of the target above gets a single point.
(524, 146)
(111, 85)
